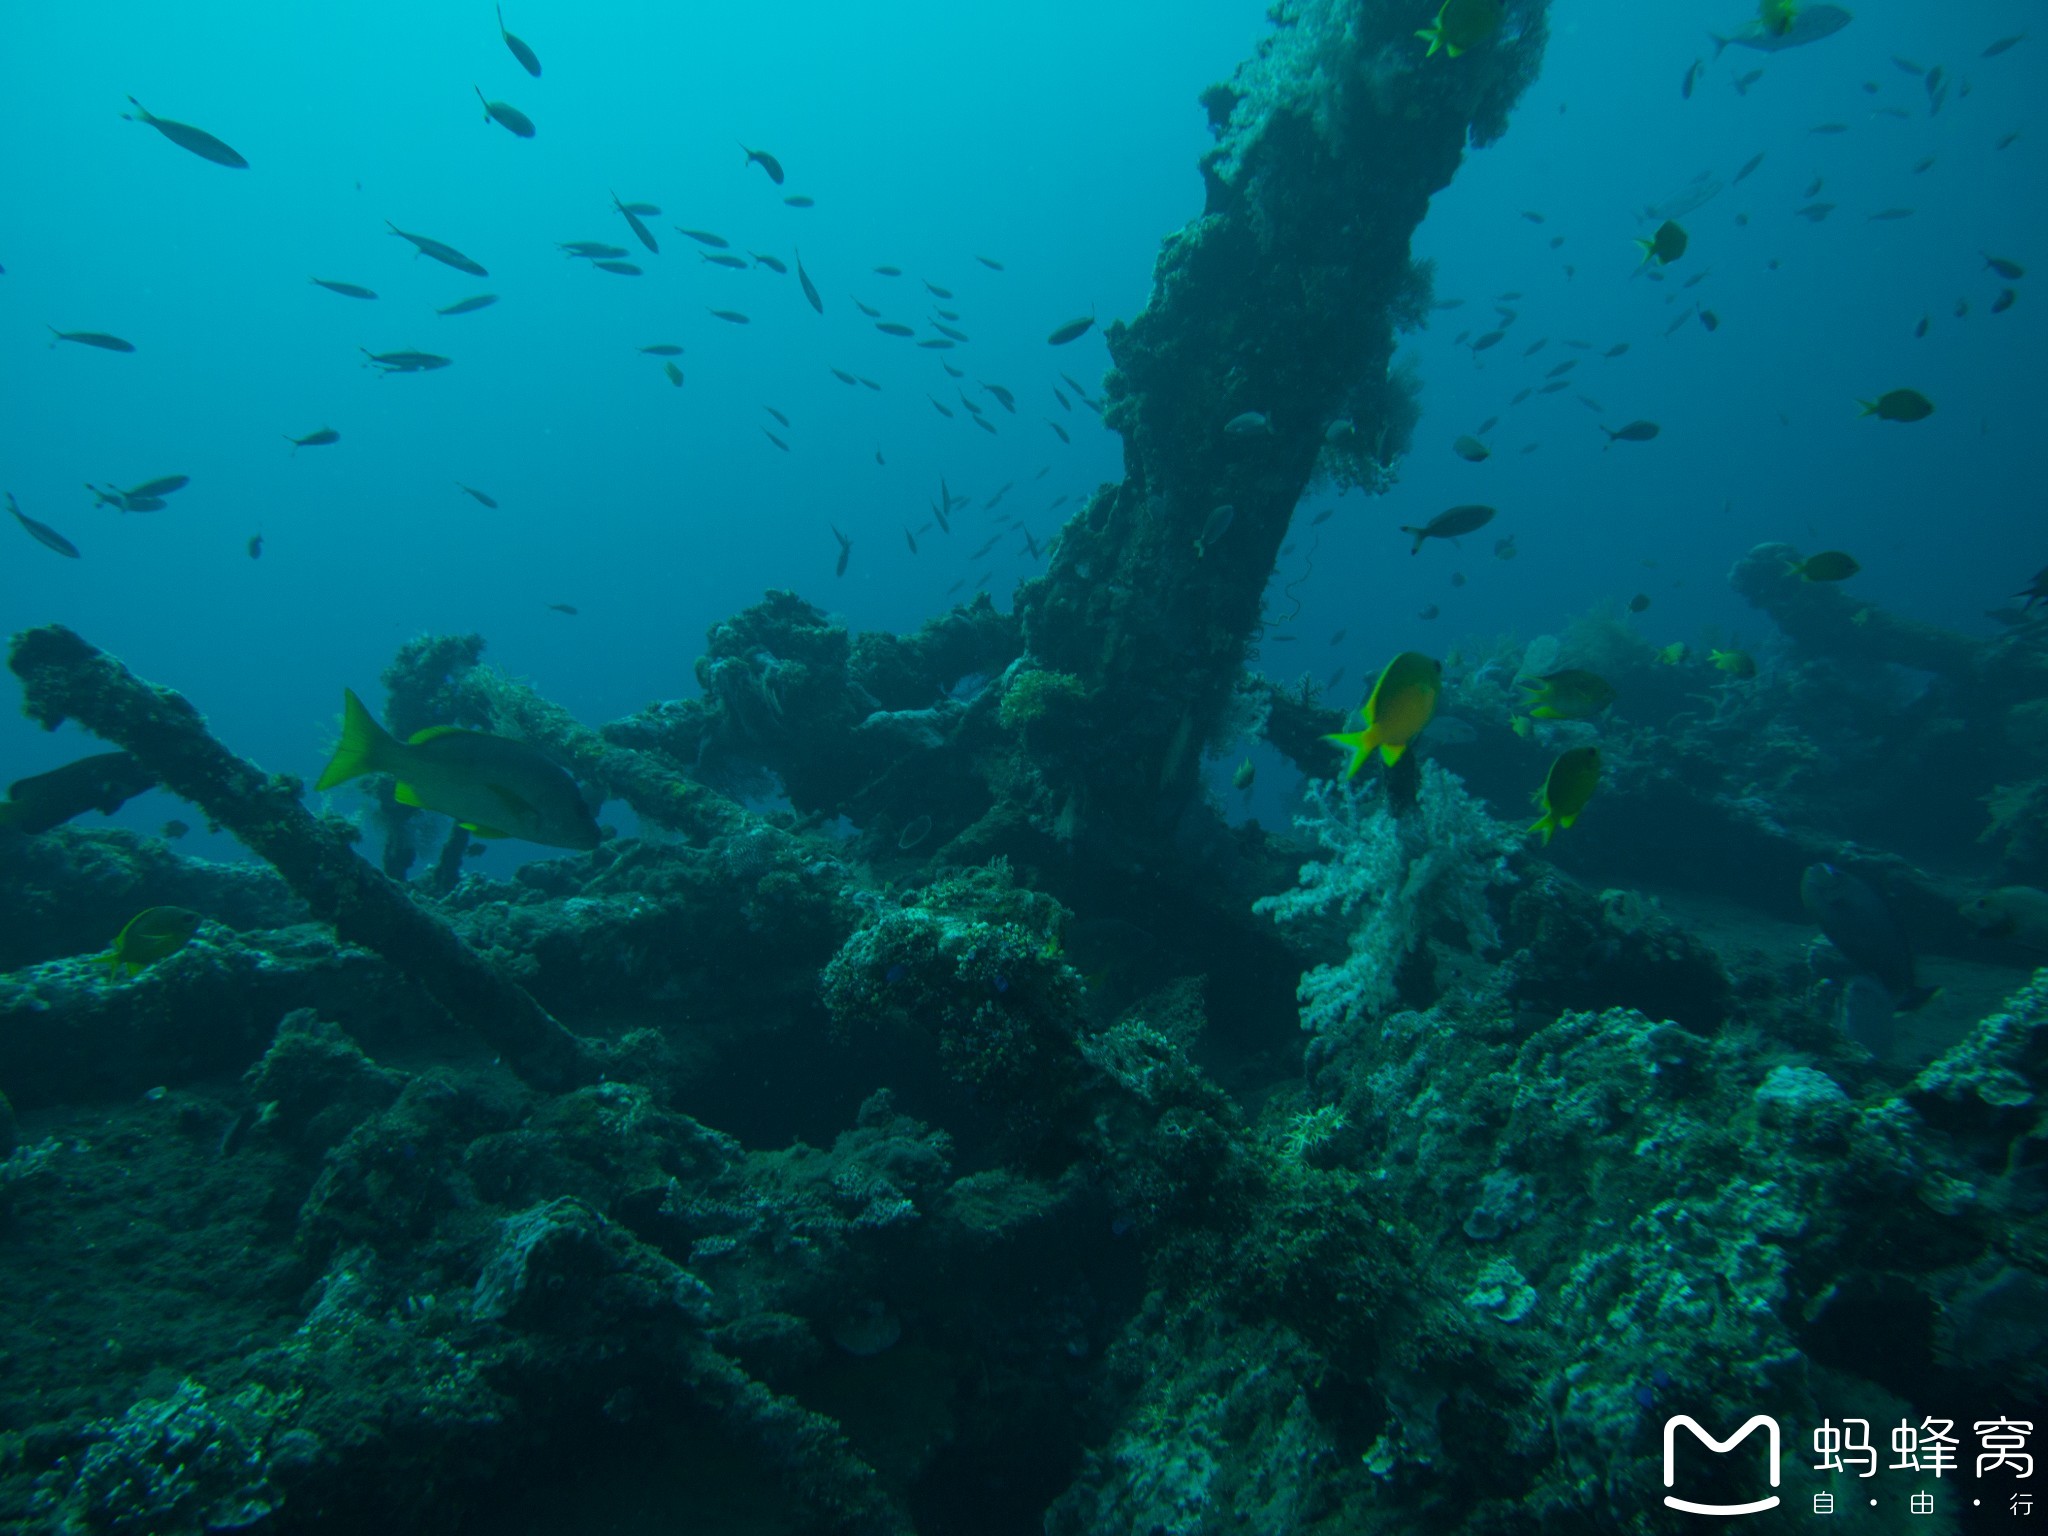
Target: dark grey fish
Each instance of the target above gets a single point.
(447, 255)
(468, 306)
(631, 213)
(845, 550)
(618, 268)
(591, 248)
(704, 237)
(1748, 168)
(776, 414)
(803, 277)
(948, 331)
(346, 290)
(406, 361)
(479, 495)
(528, 59)
(774, 264)
(505, 115)
(766, 161)
(319, 439)
(1859, 924)
(731, 317)
(894, 328)
(801, 202)
(778, 442)
(186, 137)
(1073, 330)
(724, 259)
(98, 339)
(43, 533)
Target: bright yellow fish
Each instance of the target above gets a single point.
(1399, 707)
(151, 935)
(1566, 789)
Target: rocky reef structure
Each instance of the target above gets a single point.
(942, 1152)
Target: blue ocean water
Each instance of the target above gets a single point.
(1058, 139)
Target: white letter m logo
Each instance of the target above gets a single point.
(1671, 1469)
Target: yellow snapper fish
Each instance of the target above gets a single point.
(1566, 789)
(1572, 694)
(1462, 25)
(153, 934)
(1398, 708)
(492, 785)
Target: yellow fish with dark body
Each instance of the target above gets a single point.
(1828, 565)
(1572, 694)
(1398, 708)
(1666, 246)
(1566, 789)
(151, 935)
(1734, 663)
(1462, 25)
(492, 785)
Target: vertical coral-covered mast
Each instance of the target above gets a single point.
(1283, 299)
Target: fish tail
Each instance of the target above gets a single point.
(141, 114)
(1432, 36)
(1546, 825)
(1420, 535)
(364, 744)
(1869, 407)
(1359, 744)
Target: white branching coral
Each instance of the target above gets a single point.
(1392, 878)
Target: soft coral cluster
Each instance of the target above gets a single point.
(1392, 879)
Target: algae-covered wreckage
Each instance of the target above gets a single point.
(972, 1174)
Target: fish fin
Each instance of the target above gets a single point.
(1432, 36)
(1359, 744)
(476, 831)
(363, 745)
(1453, 50)
(110, 959)
(1545, 712)
(1546, 826)
(405, 794)
(1391, 752)
(1719, 42)
(428, 733)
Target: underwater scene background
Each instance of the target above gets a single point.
(1112, 769)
